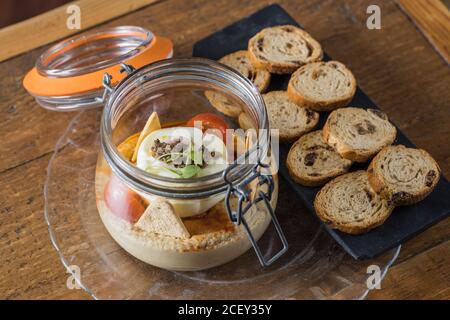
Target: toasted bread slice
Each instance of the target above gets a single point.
(403, 175)
(222, 104)
(349, 204)
(160, 217)
(245, 121)
(322, 86)
(358, 134)
(311, 162)
(240, 62)
(290, 120)
(283, 49)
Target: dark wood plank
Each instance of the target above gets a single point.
(432, 17)
(395, 66)
(426, 276)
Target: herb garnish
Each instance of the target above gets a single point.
(185, 164)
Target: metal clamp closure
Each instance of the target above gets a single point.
(244, 203)
(129, 69)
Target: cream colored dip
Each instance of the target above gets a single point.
(214, 239)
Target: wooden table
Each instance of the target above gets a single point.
(396, 66)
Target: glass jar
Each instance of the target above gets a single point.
(224, 213)
(68, 75)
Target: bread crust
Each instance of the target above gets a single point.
(305, 119)
(287, 66)
(317, 182)
(300, 176)
(320, 104)
(344, 149)
(240, 61)
(356, 227)
(392, 192)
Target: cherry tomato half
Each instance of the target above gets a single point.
(209, 121)
(122, 201)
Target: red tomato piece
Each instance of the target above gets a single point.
(209, 121)
(122, 201)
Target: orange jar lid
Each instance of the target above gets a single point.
(69, 75)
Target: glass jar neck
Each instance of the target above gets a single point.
(168, 74)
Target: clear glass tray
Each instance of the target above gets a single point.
(314, 268)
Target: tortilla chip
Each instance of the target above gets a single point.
(126, 148)
(151, 125)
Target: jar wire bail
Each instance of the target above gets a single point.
(128, 68)
(242, 192)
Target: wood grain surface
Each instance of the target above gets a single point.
(433, 18)
(51, 26)
(395, 66)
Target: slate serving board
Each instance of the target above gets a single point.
(405, 222)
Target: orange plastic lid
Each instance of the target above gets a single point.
(75, 67)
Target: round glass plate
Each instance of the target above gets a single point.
(315, 267)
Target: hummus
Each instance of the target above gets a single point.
(214, 240)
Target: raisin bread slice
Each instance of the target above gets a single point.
(240, 62)
(322, 86)
(403, 175)
(358, 134)
(311, 162)
(349, 204)
(222, 104)
(283, 49)
(290, 120)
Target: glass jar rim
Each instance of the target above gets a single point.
(200, 186)
(137, 36)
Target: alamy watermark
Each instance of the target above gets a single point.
(374, 279)
(73, 281)
(73, 21)
(374, 20)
